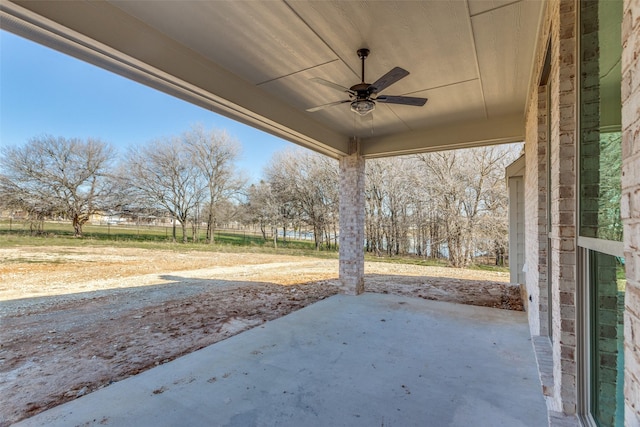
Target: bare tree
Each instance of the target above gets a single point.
(50, 175)
(449, 204)
(213, 153)
(262, 207)
(452, 203)
(392, 194)
(163, 173)
(375, 193)
(305, 186)
(468, 189)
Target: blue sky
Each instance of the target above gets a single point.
(43, 92)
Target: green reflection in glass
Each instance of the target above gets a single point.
(600, 119)
(607, 287)
(609, 221)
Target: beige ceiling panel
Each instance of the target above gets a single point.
(252, 61)
(258, 41)
(301, 92)
(383, 121)
(432, 40)
(447, 104)
(466, 134)
(482, 6)
(504, 56)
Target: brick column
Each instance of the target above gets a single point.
(563, 170)
(352, 222)
(630, 205)
(542, 183)
(536, 193)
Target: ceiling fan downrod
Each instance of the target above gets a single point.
(363, 54)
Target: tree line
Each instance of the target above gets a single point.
(450, 204)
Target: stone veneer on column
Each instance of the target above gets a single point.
(352, 224)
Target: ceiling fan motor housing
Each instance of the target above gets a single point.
(363, 90)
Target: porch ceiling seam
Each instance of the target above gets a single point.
(475, 58)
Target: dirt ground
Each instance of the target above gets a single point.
(73, 320)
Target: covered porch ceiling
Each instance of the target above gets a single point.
(252, 61)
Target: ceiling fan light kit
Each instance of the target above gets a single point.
(363, 96)
(363, 106)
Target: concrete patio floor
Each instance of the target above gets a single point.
(371, 360)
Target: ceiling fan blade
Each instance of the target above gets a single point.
(388, 79)
(403, 100)
(332, 85)
(331, 104)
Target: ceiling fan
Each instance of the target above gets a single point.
(363, 96)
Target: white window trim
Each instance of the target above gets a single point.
(608, 247)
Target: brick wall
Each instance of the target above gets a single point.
(554, 266)
(563, 113)
(630, 206)
(560, 27)
(351, 267)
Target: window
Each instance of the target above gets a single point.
(600, 228)
(600, 120)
